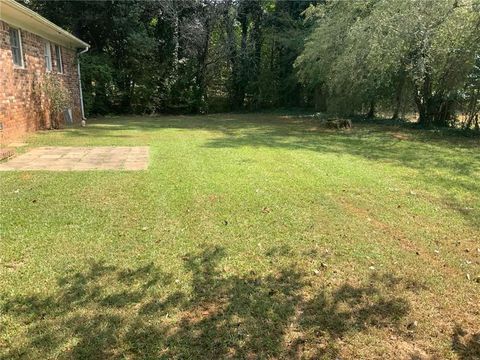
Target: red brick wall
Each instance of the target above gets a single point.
(23, 106)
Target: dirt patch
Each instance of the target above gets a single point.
(401, 136)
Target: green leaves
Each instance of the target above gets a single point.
(358, 48)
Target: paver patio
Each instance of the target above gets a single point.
(66, 158)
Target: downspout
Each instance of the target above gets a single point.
(80, 81)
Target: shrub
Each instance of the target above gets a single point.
(59, 98)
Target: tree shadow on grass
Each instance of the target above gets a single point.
(450, 163)
(108, 312)
(371, 143)
(466, 346)
(427, 151)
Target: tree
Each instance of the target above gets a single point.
(367, 51)
(182, 55)
(341, 56)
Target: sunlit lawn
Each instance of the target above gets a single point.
(249, 236)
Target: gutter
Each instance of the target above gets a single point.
(40, 19)
(80, 81)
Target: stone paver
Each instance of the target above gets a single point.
(67, 158)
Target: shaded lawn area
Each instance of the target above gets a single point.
(249, 236)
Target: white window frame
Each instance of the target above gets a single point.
(48, 56)
(20, 47)
(58, 57)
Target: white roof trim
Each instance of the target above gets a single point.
(20, 16)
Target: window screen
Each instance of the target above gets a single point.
(48, 56)
(16, 45)
(58, 58)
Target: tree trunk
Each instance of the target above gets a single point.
(201, 91)
(176, 47)
(422, 113)
(240, 90)
(424, 100)
(256, 34)
(371, 110)
(472, 112)
(398, 95)
(320, 98)
(442, 114)
(233, 57)
(126, 90)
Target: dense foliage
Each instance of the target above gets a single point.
(185, 56)
(58, 97)
(417, 52)
(219, 55)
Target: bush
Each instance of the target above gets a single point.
(59, 98)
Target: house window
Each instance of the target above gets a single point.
(58, 59)
(48, 56)
(16, 45)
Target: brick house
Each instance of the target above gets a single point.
(31, 48)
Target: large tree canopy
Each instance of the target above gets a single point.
(219, 55)
(185, 56)
(377, 50)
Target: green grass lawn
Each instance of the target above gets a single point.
(249, 236)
